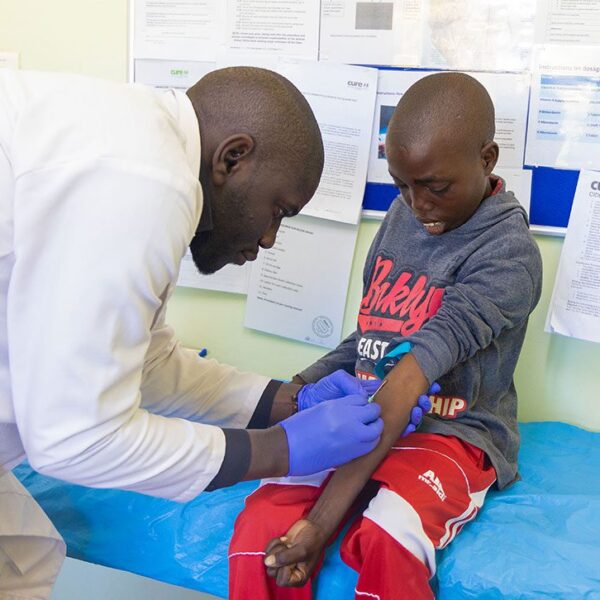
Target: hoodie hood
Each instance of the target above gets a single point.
(494, 209)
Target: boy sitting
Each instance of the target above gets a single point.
(455, 272)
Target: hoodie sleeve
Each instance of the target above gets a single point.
(497, 288)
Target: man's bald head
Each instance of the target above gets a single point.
(262, 159)
(267, 107)
(454, 106)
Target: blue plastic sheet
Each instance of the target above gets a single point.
(540, 538)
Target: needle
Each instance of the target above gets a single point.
(371, 398)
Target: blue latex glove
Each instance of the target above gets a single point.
(423, 406)
(416, 414)
(338, 384)
(370, 385)
(332, 433)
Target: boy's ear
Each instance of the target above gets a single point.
(489, 156)
(230, 156)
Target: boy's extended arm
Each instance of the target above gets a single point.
(291, 561)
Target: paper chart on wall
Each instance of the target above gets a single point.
(283, 27)
(198, 29)
(298, 288)
(567, 22)
(509, 92)
(564, 116)
(575, 305)
(231, 278)
(460, 34)
(371, 33)
(179, 29)
(170, 74)
(491, 35)
(342, 98)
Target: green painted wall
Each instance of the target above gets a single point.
(557, 378)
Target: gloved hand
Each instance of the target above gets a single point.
(416, 414)
(370, 385)
(332, 433)
(338, 384)
(423, 406)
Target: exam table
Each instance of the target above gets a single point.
(540, 538)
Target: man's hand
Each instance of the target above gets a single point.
(332, 433)
(292, 558)
(338, 384)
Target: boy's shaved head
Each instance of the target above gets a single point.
(441, 151)
(448, 104)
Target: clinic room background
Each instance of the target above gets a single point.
(557, 377)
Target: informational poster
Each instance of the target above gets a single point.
(178, 29)
(575, 305)
(284, 27)
(298, 288)
(175, 74)
(535, 57)
(342, 98)
(372, 32)
(390, 88)
(492, 35)
(564, 115)
(231, 278)
(509, 92)
(567, 22)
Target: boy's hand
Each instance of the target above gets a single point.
(292, 558)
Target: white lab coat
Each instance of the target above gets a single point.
(99, 199)
(31, 550)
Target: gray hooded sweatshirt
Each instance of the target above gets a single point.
(462, 300)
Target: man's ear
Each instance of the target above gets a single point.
(489, 156)
(230, 156)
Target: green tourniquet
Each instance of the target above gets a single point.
(397, 352)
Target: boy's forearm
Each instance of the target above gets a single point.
(397, 398)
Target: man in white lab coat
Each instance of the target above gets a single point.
(103, 187)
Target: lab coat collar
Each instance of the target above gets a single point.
(188, 122)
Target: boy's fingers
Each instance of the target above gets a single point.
(286, 556)
(278, 541)
(298, 576)
(272, 572)
(284, 575)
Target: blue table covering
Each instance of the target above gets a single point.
(540, 538)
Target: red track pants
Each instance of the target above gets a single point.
(431, 485)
